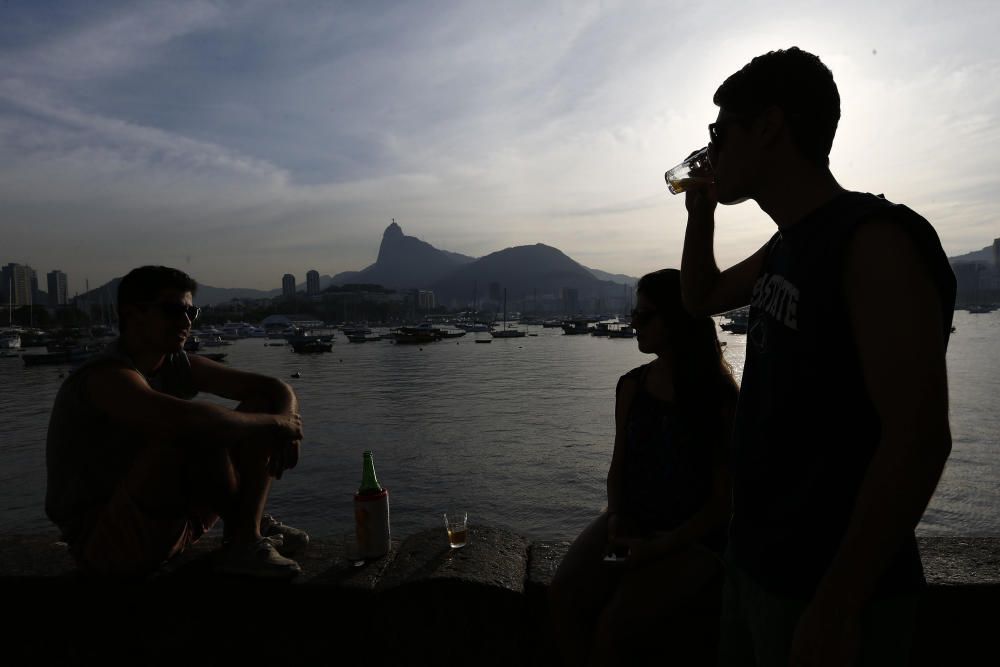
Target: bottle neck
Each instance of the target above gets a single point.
(369, 482)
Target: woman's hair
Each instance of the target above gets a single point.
(703, 379)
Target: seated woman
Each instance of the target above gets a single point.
(668, 490)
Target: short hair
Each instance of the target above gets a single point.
(144, 284)
(799, 84)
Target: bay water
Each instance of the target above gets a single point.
(518, 433)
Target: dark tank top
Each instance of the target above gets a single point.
(806, 428)
(88, 454)
(669, 463)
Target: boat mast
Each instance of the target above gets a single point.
(504, 308)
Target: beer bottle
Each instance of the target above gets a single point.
(371, 512)
(369, 482)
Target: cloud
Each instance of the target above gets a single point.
(260, 137)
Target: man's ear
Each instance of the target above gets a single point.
(129, 312)
(771, 126)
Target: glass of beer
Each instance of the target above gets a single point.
(457, 524)
(695, 169)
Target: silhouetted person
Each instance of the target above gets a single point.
(137, 472)
(668, 491)
(842, 427)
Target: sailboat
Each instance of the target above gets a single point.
(507, 333)
(10, 339)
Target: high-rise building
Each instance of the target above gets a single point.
(288, 286)
(18, 280)
(571, 300)
(57, 288)
(312, 282)
(425, 300)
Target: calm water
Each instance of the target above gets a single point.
(518, 432)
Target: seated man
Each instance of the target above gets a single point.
(137, 471)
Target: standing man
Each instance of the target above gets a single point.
(137, 471)
(842, 427)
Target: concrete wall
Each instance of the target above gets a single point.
(423, 604)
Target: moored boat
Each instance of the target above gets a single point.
(311, 346)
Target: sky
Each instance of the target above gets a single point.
(240, 141)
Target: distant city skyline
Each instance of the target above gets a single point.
(239, 141)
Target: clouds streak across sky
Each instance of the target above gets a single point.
(243, 140)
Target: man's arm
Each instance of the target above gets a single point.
(238, 385)
(895, 312)
(259, 389)
(124, 395)
(705, 289)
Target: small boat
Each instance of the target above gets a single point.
(576, 327)
(624, 331)
(311, 346)
(505, 332)
(452, 333)
(10, 340)
(415, 335)
(739, 321)
(601, 329)
(484, 340)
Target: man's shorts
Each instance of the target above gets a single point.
(758, 625)
(122, 539)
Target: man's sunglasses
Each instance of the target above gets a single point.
(174, 311)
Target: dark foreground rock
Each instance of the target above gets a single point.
(421, 604)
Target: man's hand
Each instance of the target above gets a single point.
(827, 636)
(700, 200)
(285, 454)
(288, 426)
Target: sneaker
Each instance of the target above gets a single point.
(289, 541)
(259, 559)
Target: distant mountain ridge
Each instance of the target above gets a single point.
(405, 261)
(408, 262)
(984, 256)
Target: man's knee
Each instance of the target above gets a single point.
(256, 404)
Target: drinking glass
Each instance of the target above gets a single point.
(696, 168)
(458, 529)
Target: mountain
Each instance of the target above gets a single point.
(984, 256)
(524, 271)
(213, 296)
(619, 278)
(404, 262)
